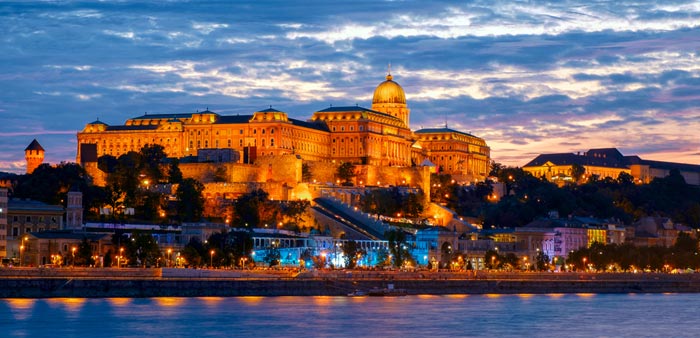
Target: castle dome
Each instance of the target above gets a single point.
(389, 92)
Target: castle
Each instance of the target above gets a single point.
(377, 140)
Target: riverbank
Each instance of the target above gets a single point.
(92, 283)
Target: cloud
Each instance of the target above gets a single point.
(528, 77)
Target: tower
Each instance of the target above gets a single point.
(389, 98)
(34, 155)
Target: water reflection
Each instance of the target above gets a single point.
(532, 315)
(21, 308)
(119, 302)
(169, 302)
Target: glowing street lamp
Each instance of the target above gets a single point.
(167, 262)
(73, 251)
(584, 263)
(119, 258)
(211, 259)
(21, 258)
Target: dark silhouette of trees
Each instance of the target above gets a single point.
(398, 247)
(346, 172)
(83, 255)
(190, 205)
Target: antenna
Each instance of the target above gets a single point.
(389, 69)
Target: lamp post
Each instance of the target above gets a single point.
(73, 251)
(21, 258)
(119, 258)
(211, 259)
(584, 263)
(167, 262)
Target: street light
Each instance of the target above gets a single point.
(211, 259)
(167, 262)
(21, 249)
(584, 263)
(73, 251)
(119, 258)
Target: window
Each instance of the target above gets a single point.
(240, 142)
(272, 142)
(28, 219)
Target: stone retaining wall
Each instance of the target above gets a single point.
(189, 287)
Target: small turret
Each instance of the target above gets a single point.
(34, 154)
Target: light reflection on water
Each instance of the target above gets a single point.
(522, 315)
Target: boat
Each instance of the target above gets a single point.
(357, 293)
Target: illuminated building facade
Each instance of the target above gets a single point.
(379, 136)
(607, 162)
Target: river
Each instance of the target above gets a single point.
(552, 315)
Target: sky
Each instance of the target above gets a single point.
(530, 77)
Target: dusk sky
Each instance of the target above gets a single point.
(529, 77)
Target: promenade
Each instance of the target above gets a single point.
(95, 282)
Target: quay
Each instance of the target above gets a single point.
(165, 282)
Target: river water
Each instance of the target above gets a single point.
(553, 315)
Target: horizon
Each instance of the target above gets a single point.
(529, 78)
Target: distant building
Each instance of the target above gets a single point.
(59, 246)
(607, 162)
(656, 231)
(19, 218)
(3, 222)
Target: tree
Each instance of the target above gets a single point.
(107, 260)
(241, 247)
(397, 247)
(346, 171)
(541, 260)
(50, 184)
(83, 255)
(577, 171)
(174, 173)
(151, 156)
(352, 253)
(255, 209)
(143, 249)
(190, 206)
(193, 252)
(294, 210)
(496, 169)
(272, 255)
(492, 259)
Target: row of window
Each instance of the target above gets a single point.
(28, 219)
